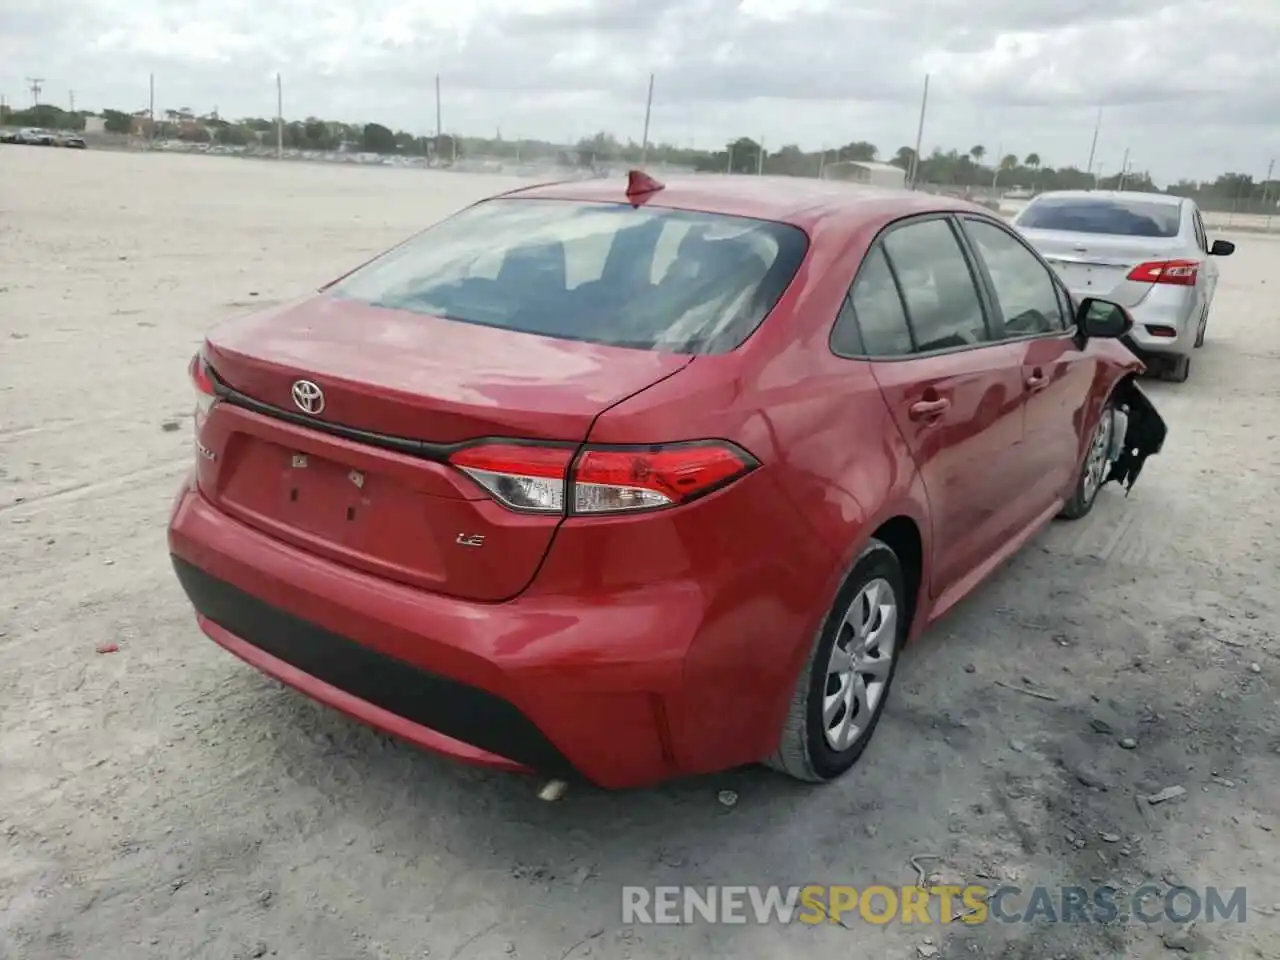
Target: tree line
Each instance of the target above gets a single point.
(969, 169)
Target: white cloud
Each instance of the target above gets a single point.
(1188, 84)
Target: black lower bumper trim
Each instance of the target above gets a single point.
(1146, 355)
(454, 709)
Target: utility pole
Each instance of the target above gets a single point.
(151, 100)
(648, 110)
(1124, 169)
(760, 160)
(439, 128)
(71, 95)
(915, 159)
(35, 84)
(995, 176)
(729, 169)
(279, 118)
(1266, 194)
(1093, 148)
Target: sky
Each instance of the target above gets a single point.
(1189, 87)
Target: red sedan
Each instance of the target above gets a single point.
(627, 481)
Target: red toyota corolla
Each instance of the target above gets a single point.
(631, 481)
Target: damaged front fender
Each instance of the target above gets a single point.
(1144, 433)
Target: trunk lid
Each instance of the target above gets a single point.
(363, 479)
(443, 381)
(1096, 265)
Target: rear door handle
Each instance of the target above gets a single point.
(929, 409)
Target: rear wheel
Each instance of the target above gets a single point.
(1097, 461)
(841, 692)
(1178, 369)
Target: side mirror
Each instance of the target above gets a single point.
(1102, 318)
(1222, 248)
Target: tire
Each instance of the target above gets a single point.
(806, 752)
(1178, 370)
(1089, 484)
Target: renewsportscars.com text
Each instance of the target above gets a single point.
(974, 904)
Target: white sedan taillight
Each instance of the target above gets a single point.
(1178, 273)
(540, 478)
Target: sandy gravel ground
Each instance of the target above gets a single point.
(167, 801)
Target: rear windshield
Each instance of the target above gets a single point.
(607, 273)
(1121, 218)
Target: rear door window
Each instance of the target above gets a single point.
(1202, 236)
(877, 308)
(846, 338)
(645, 277)
(1024, 289)
(942, 303)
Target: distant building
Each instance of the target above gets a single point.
(95, 124)
(866, 171)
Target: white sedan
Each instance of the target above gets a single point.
(1146, 251)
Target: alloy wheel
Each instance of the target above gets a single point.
(1095, 467)
(860, 664)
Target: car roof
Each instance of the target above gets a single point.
(1164, 198)
(800, 201)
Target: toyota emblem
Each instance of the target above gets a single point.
(308, 396)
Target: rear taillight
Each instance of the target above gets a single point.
(604, 479)
(1181, 273)
(520, 476)
(202, 381)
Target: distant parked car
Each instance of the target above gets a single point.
(72, 140)
(1149, 252)
(635, 480)
(34, 136)
(8, 136)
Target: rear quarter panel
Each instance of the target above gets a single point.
(836, 467)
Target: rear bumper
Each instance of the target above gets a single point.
(387, 693)
(610, 688)
(1155, 359)
(1160, 312)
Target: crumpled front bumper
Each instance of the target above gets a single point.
(1144, 435)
